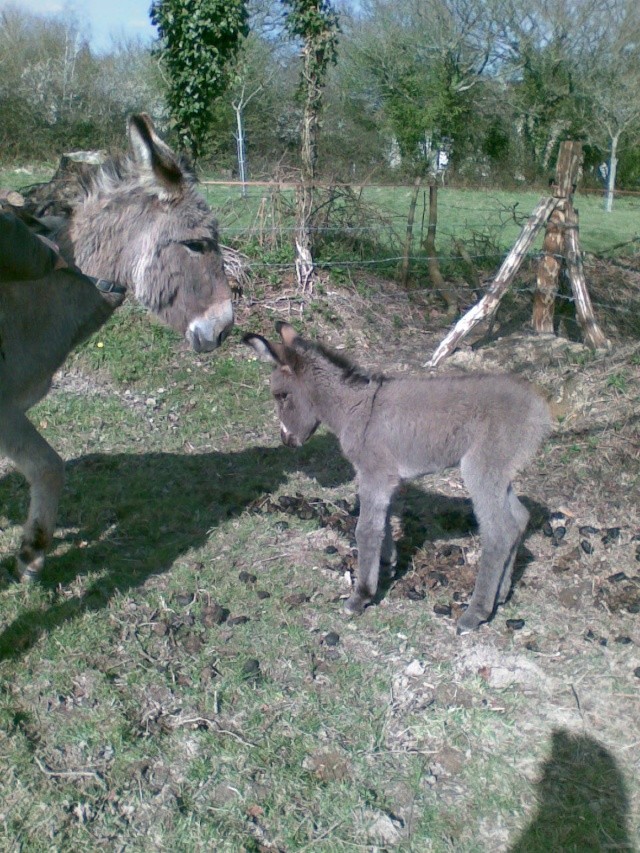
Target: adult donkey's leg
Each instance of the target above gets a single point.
(500, 534)
(372, 531)
(44, 470)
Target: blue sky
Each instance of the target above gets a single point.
(103, 18)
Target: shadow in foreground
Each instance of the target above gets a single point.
(582, 801)
(134, 515)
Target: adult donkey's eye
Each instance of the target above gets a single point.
(281, 396)
(198, 246)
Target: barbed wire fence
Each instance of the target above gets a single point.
(362, 230)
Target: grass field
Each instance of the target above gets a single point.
(183, 678)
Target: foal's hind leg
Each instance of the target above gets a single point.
(44, 470)
(500, 534)
(521, 517)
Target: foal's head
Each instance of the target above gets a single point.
(298, 415)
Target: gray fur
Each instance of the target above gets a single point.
(141, 224)
(393, 429)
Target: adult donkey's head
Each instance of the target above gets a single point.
(143, 224)
(292, 359)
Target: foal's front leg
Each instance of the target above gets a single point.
(371, 532)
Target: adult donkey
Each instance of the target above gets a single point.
(392, 429)
(140, 223)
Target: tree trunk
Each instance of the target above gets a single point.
(241, 151)
(305, 268)
(611, 177)
(437, 279)
(404, 272)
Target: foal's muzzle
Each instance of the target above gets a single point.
(288, 438)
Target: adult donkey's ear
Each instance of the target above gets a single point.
(265, 350)
(286, 332)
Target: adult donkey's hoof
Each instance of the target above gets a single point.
(28, 572)
(29, 563)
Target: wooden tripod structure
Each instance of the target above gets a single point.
(561, 245)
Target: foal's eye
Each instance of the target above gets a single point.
(281, 396)
(198, 246)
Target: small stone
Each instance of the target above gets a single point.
(442, 609)
(547, 529)
(247, 577)
(448, 550)
(586, 546)
(414, 594)
(331, 549)
(262, 594)
(636, 672)
(251, 669)
(296, 599)
(183, 598)
(415, 669)
(587, 530)
(623, 640)
(215, 614)
(331, 639)
(589, 635)
(612, 535)
(238, 620)
(515, 624)
(557, 516)
(559, 533)
(281, 525)
(619, 576)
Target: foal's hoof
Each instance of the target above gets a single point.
(469, 621)
(355, 605)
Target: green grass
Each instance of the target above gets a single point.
(128, 716)
(487, 221)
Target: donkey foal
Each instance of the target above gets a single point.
(393, 429)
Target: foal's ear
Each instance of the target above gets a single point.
(265, 350)
(286, 332)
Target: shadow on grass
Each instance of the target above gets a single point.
(582, 801)
(429, 516)
(137, 514)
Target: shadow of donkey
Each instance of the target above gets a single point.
(135, 515)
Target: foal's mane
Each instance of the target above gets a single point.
(350, 373)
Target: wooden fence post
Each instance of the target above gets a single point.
(569, 162)
(489, 302)
(593, 335)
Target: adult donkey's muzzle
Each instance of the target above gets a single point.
(207, 332)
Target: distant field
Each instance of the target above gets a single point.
(483, 217)
(486, 220)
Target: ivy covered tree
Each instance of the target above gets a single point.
(199, 40)
(316, 24)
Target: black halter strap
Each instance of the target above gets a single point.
(105, 286)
